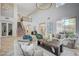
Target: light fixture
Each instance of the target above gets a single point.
(59, 4)
(43, 6)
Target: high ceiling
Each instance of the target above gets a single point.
(25, 8)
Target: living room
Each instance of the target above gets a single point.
(39, 29)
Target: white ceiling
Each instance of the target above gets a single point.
(25, 8)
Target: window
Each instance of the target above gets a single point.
(9, 29)
(6, 29)
(70, 25)
(67, 25)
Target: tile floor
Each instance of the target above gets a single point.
(66, 52)
(70, 52)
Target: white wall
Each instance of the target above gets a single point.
(10, 19)
(0, 36)
(0, 26)
(42, 16)
(65, 11)
(0, 9)
(7, 11)
(59, 26)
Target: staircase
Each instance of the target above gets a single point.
(20, 29)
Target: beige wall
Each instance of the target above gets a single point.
(11, 19)
(7, 45)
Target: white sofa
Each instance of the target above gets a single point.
(23, 49)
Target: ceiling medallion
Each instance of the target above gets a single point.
(43, 6)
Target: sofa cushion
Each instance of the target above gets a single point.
(27, 49)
